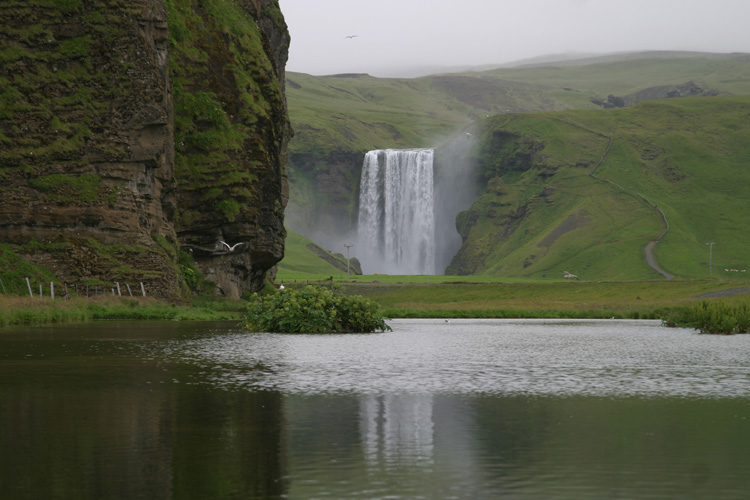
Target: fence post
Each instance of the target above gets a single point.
(52, 289)
(143, 289)
(1, 283)
(119, 293)
(28, 283)
(128, 285)
(41, 291)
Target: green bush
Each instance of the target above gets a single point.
(711, 317)
(313, 310)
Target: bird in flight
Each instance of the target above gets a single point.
(351, 36)
(231, 248)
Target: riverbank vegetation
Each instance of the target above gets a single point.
(313, 309)
(711, 317)
(427, 297)
(28, 311)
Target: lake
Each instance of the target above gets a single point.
(465, 409)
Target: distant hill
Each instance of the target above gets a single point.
(359, 112)
(338, 118)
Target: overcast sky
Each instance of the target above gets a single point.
(396, 36)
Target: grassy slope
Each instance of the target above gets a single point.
(688, 156)
(299, 262)
(361, 112)
(624, 77)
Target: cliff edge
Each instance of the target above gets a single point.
(132, 131)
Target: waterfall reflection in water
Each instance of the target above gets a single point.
(466, 409)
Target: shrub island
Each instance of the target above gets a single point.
(313, 309)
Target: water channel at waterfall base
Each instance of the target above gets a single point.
(466, 409)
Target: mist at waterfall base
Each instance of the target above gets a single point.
(408, 202)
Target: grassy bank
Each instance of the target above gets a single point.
(423, 297)
(712, 317)
(28, 311)
(554, 299)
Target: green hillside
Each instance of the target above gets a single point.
(303, 256)
(550, 207)
(338, 118)
(360, 112)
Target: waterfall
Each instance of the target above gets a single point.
(396, 225)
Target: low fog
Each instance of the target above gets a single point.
(412, 37)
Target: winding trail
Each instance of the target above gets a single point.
(652, 260)
(649, 250)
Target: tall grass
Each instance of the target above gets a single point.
(711, 317)
(27, 311)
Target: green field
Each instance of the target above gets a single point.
(492, 297)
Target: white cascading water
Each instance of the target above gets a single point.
(396, 225)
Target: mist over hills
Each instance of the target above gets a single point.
(338, 118)
(559, 59)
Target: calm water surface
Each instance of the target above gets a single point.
(466, 409)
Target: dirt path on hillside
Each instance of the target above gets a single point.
(649, 250)
(652, 260)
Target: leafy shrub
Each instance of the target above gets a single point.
(313, 310)
(711, 317)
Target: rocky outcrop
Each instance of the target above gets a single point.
(120, 131)
(687, 89)
(230, 138)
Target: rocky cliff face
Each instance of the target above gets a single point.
(94, 96)
(231, 135)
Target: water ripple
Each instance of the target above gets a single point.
(528, 357)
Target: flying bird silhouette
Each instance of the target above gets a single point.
(351, 36)
(569, 276)
(231, 248)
